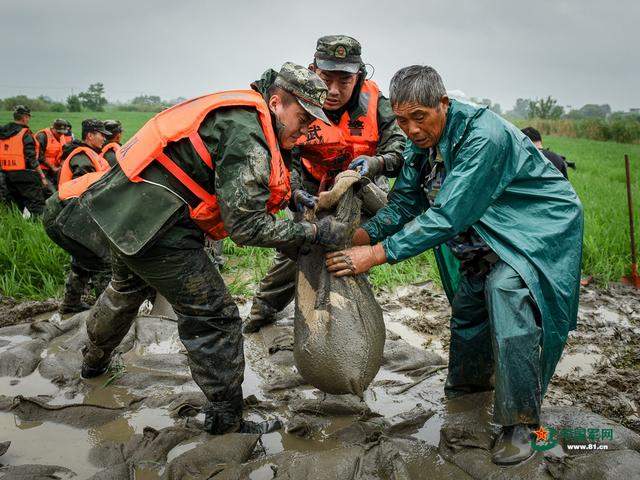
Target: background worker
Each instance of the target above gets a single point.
(363, 134)
(112, 142)
(24, 184)
(69, 225)
(557, 160)
(219, 168)
(50, 141)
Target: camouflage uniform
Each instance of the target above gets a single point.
(339, 53)
(68, 224)
(163, 248)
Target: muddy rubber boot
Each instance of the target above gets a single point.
(94, 362)
(219, 419)
(513, 445)
(77, 280)
(261, 315)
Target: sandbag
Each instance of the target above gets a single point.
(338, 326)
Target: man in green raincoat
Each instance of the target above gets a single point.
(507, 231)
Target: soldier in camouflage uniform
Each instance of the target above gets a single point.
(338, 63)
(69, 226)
(113, 141)
(155, 242)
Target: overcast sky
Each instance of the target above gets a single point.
(579, 51)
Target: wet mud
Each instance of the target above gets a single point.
(143, 419)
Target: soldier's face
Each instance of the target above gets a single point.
(292, 121)
(95, 139)
(341, 86)
(423, 125)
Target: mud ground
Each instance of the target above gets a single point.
(141, 421)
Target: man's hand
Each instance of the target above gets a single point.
(302, 199)
(331, 233)
(367, 166)
(355, 260)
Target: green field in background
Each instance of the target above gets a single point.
(33, 267)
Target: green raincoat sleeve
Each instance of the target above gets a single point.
(478, 177)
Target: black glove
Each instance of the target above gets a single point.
(331, 233)
(367, 166)
(302, 199)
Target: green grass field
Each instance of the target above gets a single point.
(131, 121)
(31, 266)
(600, 183)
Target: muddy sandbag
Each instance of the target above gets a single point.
(277, 338)
(36, 472)
(22, 359)
(399, 356)
(338, 326)
(331, 405)
(4, 446)
(205, 459)
(306, 426)
(371, 430)
(336, 464)
(621, 464)
(573, 418)
(76, 415)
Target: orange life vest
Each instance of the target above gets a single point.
(66, 175)
(12, 152)
(328, 149)
(115, 146)
(53, 152)
(183, 121)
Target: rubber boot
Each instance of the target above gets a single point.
(260, 316)
(94, 362)
(73, 289)
(513, 445)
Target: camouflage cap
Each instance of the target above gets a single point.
(94, 125)
(338, 52)
(306, 86)
(21, 110)
(60, 125)
(113, 126)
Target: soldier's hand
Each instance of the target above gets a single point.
(331, 233)
(302, 199)
(355, 260)
(367, 166)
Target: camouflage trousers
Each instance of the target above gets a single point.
(209, 324)
(80, 277)
(25, 189)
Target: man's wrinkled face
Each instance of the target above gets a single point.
(95, 139)
(341, 86)
(423, 125)
(292, 121)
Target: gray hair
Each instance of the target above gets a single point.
(417, 84)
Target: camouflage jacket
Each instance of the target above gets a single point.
(135, 215)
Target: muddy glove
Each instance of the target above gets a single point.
(368, 166)
(355, 260)
(360, 237)
(302, 199)
(331, 233)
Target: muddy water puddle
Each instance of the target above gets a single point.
(155, 383)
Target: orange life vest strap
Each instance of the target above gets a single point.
(185, 179)
(201, 149)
